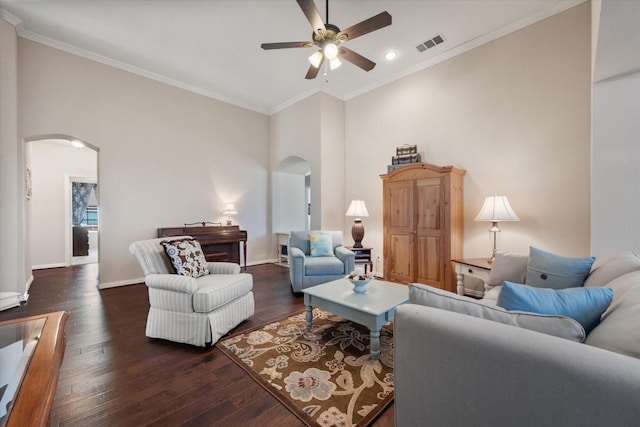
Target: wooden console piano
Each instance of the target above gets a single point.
(219, 243)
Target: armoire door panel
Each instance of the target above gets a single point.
(401, 262)
(401, 207)
(428, 195)
(429, 261)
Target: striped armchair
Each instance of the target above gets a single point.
(189, 310)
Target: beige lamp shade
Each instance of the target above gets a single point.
(498, 209)
(358, 209)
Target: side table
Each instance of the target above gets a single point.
(474, 267)
(363, 256)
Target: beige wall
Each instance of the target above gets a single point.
(313, 130)
(616, 130)
(15, 276)
(515, 113)
(167, 156)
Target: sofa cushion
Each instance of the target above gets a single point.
(216, 290)
(559, 326)
(610, 266)
(585, 305)
(186, 257)
(508, 266)
(618, 331)
(547, 270)
(323, 266)
(320, 244)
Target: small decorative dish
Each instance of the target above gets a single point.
(359, 282)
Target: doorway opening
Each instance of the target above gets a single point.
(83, 212)
(63, 201)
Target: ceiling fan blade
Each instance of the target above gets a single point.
(356, 59)
(311, 12)
(312, 72)
(285, 45)
(381, 20)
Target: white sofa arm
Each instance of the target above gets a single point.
(223, 268)
(172, 282)
(452, 369)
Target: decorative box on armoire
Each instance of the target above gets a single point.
(422, 224)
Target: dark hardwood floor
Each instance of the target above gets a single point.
(113, 375)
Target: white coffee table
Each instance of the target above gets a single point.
(372, 309)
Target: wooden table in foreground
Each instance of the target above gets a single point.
(34, 396)
(372, 309)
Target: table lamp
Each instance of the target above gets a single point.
(357, 209)
(229, 210)
(496, 209)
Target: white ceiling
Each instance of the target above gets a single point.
(212, 47)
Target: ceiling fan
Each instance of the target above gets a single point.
(328, 37)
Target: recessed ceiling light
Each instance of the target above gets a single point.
(391, 55)
(77, 143)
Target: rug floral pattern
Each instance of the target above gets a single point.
(325, 376)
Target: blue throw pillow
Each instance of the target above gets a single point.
(585, 305)
(321, 244)
(547, 270)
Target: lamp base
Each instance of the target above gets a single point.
(357, 232)
(495, 230)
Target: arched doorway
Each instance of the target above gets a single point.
(61, 169)
(291, 195)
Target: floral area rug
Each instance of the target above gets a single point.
(326, 376)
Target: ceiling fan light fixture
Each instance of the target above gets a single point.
(316, 59)
(334, 63)
(330, 51)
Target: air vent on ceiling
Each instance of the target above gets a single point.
(432, 42)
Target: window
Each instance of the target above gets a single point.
(91, 216)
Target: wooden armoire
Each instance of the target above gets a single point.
(422, 224)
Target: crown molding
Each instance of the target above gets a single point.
(303, 96)
(74, 50)
(472, 44)
(500, 32)
(11, 19)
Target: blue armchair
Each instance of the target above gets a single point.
(306, 270)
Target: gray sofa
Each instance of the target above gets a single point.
(306, 270)
(455, 369)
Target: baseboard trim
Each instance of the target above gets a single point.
(9, 300)
(127, 282)
(119, 283)
(45, 266)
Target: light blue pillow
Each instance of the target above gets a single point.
(547, 270)
(321, 244)
(585, 305)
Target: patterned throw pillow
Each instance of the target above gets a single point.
(186, 257)
(321, 244)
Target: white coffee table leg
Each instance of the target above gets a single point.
(374, 344)
(309, 317)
